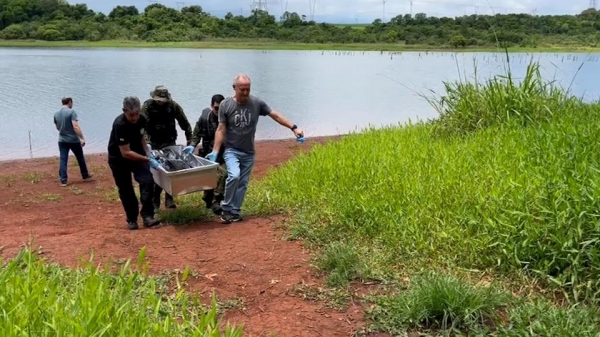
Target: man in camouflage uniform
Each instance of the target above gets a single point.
(162, 112)
(203, 140)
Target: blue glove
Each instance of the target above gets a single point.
(188, 150)
(300, 139)
(154, 163)
(212, 156)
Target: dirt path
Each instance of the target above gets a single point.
(247, 264)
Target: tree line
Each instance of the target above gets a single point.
(57, 20)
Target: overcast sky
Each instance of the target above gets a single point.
(363, 10)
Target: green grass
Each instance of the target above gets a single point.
(41, 299)
(506, 181)
(279, 45)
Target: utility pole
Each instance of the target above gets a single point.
(383, 17)
(411, 6)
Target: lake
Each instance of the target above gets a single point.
(324, 92)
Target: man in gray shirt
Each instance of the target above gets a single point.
(70, 138)
(238, 116)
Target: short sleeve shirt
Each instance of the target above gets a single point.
(241, 121)
(124, 132)
(63, 119)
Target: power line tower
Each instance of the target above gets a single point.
(593, 4)
(312, 5)
(260, 5)
(383, 17)
(179, 4)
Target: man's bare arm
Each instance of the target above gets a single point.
(219, 137)
(78, 131)
(127, 153)
(282, 120)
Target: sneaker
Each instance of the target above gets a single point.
(226, 218)
(236, 218)
(150, 222)
(132, 225)
(63, 184)
(89, 178)
(169, 203)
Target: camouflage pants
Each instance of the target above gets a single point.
(216, 195)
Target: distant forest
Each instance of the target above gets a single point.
(57, 20)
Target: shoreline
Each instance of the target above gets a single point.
(283, 46)
(98, 155)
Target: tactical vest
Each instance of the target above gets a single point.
(161, 123)
(209, 141)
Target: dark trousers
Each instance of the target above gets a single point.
(77, 150)
(141, 173)
(157, 189)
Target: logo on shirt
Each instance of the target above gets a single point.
(242, 118)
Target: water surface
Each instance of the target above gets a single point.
(326, 93)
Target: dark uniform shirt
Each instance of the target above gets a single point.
(124, 132)
(205, 132)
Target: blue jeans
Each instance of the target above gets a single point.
(239, 167)
(77, 150)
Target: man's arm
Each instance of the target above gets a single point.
(123, 140)
(282, 120)
(127, 153)
(56, 124)
(144, 113)
(77, 128)
(219, 137)
(184, 124)
(145, 146)
(197, 134)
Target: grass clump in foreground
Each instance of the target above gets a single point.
(39, 299)
(507, 180)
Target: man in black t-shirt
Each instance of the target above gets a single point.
(127, 154)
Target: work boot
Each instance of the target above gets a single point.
(131, 225)
(169, 203)
(216, 208)
(150, 222)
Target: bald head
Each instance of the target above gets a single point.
(241, 79)
(241, 86)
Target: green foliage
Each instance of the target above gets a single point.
(470, 106)
(38, 299)
(506, 197)
(438, 302)
(448, 305)
(159, 23)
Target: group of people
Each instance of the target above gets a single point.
(224, 133)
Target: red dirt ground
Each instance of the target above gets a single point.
(248, 261)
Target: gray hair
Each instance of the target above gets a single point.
(131, 103)
(239, 77)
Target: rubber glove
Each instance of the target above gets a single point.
(212, 156)
(188, 149)
(154, 163)
(300, 139)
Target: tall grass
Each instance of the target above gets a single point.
(39, 299)
(469, 106)
(519, 190)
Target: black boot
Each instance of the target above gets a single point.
(169, 202)
(216, 205)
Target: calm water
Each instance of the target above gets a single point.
(326, 93)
